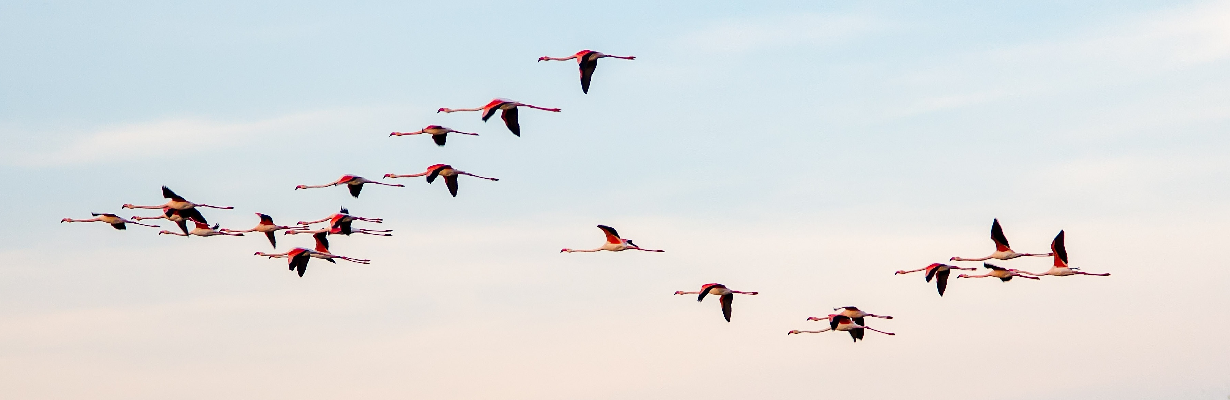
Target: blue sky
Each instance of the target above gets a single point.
(802, 149)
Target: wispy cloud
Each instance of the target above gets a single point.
(760, 33)
(168, 137)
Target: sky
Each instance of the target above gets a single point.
(802, 149)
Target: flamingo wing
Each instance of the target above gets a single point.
(858, 320)
(355, 189)
(183, 225)
(440, 139)
(510, 120)
(836, 320)
(299, 260)
(1061, 253)
(435, 171)
(451, 182)
(992, 266)
(490, 109)
(997, 235)
(167, 193)
(704, 290)
(343, 227)
(587, 66)
(194, 214)
(857, 333)
(322, 241)
(612, 236)
(119, 226)
(273, 239)
(727, 299)
(931, 273)
(941, 281)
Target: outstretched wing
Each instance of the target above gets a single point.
(298, 262)
(992, 266)
(355, 189)
(836, 320)
(273, 239)
(1061, 253)
(440, 139)
(491, 108)
(119, 226)
(931, 273)
(941, 281)
(858, 320)
(704, 290)
(167, 193)
(322, 241)
(266, 219)
(451, 182)
(435, 171)
(183, 225)
(194, 214)
(857, 333)
(510, 120)
(612, 236)
(587, 71)
(997, 235)
(727, 299)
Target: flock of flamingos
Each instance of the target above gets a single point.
(850, 319)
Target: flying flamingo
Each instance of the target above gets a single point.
(613, 243)
(939, 272)
(177, 202)
(438, 133)
(854, 313)
(1061, 261)
(728, 296)
(298, 257)
(267, 227)
(1002, 251)
(509, 114)
(588, 61)
(447, 171)
(352, 182)
(996, 272)
(114, 220)
(202, 229)
(342, 222)
(838, 322)
(179, 217)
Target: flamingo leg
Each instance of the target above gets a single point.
(217, 207)
(541, 108)
(875, 330)
(1090, 273)
(476, 176)
(969, 259)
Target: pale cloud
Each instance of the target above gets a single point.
(804, 29)
(170, 137)
(1127, 51)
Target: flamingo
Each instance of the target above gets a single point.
(353, 182)
(996, 272)
(939, 272)
(1061, 261)
(179, 217)
(114, 220)
(838, 322)
(447, 171)
(177, 202)
(298, 257)
(1002, 251)
(267, 227)
(438, 133)
(202, 229)
(613, 243)
(854, 313)
(587, 60)
(342, 222)
(728, 296)
(509, 114)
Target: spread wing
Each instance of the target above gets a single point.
(119, 226)
(167, 193)
(490, 110)
(194, 214)
(997, 235)
(272, 239)
(1061, 253)
(183, 225)
(931, 273)
(587, 72)
(834, 321)
(992, 266)
(451, 182)
(727, 299)
(857, 333)
(343, 226)
(355, 189)
(941, 281)
(266, 219)
(322, 242)
(298, 262)
(510, 120)
(704, 290)
(858, 320)
(612, 236)
(435, 171)
(440, 139)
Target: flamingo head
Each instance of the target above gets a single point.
(565, 250)
(963, 276)
(815, 319)
(300, 187)
(444, 110)
(387, 176)
(794, 332)
(544, 58)
(952, 259)
(66, 220)
(126, 206)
